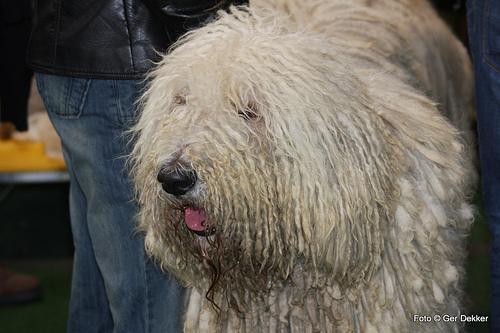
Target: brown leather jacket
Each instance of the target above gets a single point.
(111, 39)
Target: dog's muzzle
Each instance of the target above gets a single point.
(178, 181)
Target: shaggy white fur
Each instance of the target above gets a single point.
(333, 192)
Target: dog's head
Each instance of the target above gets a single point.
(258, 150)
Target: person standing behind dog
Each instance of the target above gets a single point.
(15, 76)
(484, 35)
(90, 58)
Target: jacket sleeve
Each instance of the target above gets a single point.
(196, 11)
(180, 16)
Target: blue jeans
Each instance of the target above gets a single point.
(114, 288)
(484, 34)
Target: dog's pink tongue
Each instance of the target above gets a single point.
(195, 219)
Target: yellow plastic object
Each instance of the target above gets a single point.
(18, 156)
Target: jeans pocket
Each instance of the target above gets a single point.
(63, 97)
(492, 35)
(127, 93)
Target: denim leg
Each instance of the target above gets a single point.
(114, 287)
(484, 34)
(85, 311)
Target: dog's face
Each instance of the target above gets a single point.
(253, 156)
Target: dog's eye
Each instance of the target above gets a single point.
(250, 112)
(247, 114)
(179, 100)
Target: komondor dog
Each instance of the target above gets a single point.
(295, 171)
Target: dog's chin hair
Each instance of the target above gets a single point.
(222, 266)
(229, 278)
(204, 246)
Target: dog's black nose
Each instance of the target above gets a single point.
(177, 182)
